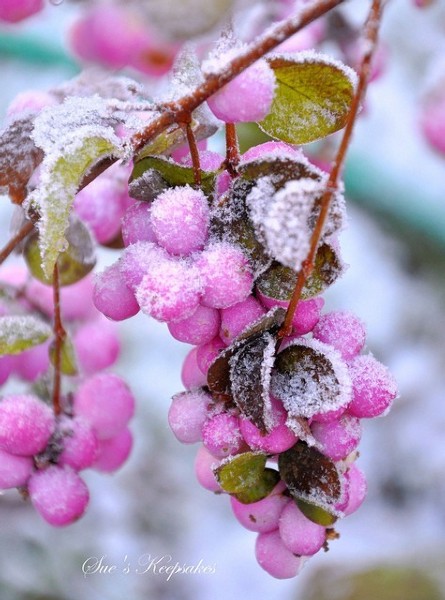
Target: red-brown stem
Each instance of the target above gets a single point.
(232, 149)
(181, 109)
(194, 152)
(371, 35)
(59, 337)
(15, 241)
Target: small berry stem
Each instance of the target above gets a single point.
(371, 35)
(194, 152)
(59, 337)
(15, 241)
(232, 150)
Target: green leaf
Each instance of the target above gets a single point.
(246, 477)
(53, 199)
(173, 173)
(328, 268)
(18, 333)
(74, 263)
(316, 514)
(68, 364)
(312, 100)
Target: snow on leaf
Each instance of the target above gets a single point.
(18, 333)
(19, 157)
(311, 476)
(311, 377)
(246, 477)
(74, 136)
(250, 372)
(313, 96)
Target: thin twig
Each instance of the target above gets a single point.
(15, 241)
(194, 153)
(371, 34)
(232, 150)
(59, 337)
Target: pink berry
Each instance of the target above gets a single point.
(261, 516)
(357, 488)
(169, 291)
(246, 98)
(106, 402)
(180, 219)
(75, 300)
(433, 123)
(91, 336)
(338, 438)
(204, 465)
(136, 224)
(273, 556)
(279, 439)
(13, 11)
(30, 101)
(58, 494)
(112, 297)
(14, 470)
(306, 315)
(191, 375)
(374, 388)
(201, 327)
(226, 275)
(32, 363)
(207, 353)
(222, 436)
(342, 330)
(300, 535)
(113, 452)
(187, 415)
(139, 258)
(80, 444)
(236, 318)
(26, 424)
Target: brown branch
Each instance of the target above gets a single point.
(59, 337)
(15, 241)
(194, 152)
(232, 150)
(175, 112)
(371, 34)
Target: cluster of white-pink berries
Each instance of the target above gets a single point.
(42, 454)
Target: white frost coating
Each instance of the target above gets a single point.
(63, 132)
(98, 82)
(284, 218)
(314, 57)
(17, 328)
(309, 391)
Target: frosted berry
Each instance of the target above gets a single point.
(14, 470)
(222, 436)
(273, 556)
(342, 330)
(237, 317)
(300, 535)
(201, 327)
(58, 494)
(79, 442)
(26, 424)
(338, 438)
(187, 415)
(113, 452)
(374, 388)
(112, 297)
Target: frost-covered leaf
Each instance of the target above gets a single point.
(250, 371)
(218, 375)
(99, 82)
(230, 222)
(146, 187)
(310, 377)
(74, 263)
(18, 333)
(173, 173)
(311, 476)
(19, 157)
(278, 282)
(246, 477)
(68, 363)
(74, 136)
(313, 97)
(280, 168)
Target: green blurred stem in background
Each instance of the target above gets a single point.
(367, 184)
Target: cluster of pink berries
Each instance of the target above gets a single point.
(286, 536)
(178, 268)
(42, 454)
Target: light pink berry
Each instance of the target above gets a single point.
(80, 444)
(236, 318)
(204, 465)
(300, 535)
(261, 516)
(187, 415)
(221, 435)
(338, 438)
(273, 556)
(112, 297)
(191, 375)
(374, 388)
(201, 327)
(14, 470)
(113, 452)
(342, 330)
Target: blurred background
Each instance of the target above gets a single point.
(393, 547)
